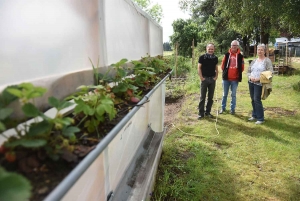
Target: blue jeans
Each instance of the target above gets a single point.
(233, 85)
(207, 86)
(255, 94)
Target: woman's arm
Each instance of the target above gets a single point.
(249, 68)
(269, 65)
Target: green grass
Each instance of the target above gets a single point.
(229, 158)
(168, 53)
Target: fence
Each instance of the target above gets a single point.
(293, 51)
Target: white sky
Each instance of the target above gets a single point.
(171, 12)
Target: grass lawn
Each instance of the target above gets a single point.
(229, 158)
(168, 53)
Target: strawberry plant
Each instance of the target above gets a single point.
(52, 135)
(13, 186)
(121, 82)
(124, 86)
(94, 106)
(158, 64)
(144, 75)
(98, 108)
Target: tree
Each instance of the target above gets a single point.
(155, 11)
(252, 19)
(199, 9)
(212, 27)
(184, 33)
(167, 46)
(262, 16)
(289, 20)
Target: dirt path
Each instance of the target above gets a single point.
(172, 107)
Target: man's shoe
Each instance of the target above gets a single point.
(221, 111)
(232, 112)
(259, 122)
(209, 115)
(251, 119)
(200, 117)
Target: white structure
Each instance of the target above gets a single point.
(282, 40)
(49, 43)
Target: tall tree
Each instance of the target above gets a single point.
(167, 46)
(212, 27)
(184, 33)
(250, 15)
(155, 11)
(290, 18)
(200, 10)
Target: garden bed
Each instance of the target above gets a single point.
(45, 172)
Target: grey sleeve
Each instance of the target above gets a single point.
(269, 65)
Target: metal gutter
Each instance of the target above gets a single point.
(59, 192)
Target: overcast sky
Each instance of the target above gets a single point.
(171, 12)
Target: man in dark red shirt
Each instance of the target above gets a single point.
(232, 66)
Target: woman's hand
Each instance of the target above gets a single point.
(254, 79)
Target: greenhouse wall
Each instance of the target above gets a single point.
(49, 43)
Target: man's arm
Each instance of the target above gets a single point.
(243, 64)
(217, 72)
(223, 63)
(200, 71)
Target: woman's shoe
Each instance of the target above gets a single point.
(259, 122)
(221, 111)
(251, 119)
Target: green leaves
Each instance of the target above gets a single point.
(155, 11)
(28, 143)
(48, 134)
(5, 112)
(69, 131)
(30, 110)
(184, 33)
(6, 98)
(16, 92)
(2, 126)
(120, 63)
(95, 105)
(59, 105)
(39, 128)
(84, 107)
(13, 186)
(26, 91)
(107, 106)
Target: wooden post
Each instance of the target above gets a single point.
(176, 53)
(254, 51)
(286, 54)
(193, 54)
(267, 50)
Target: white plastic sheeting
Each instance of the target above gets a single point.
(49, 43)
(43, 41)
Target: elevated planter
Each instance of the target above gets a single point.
(124, 163)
